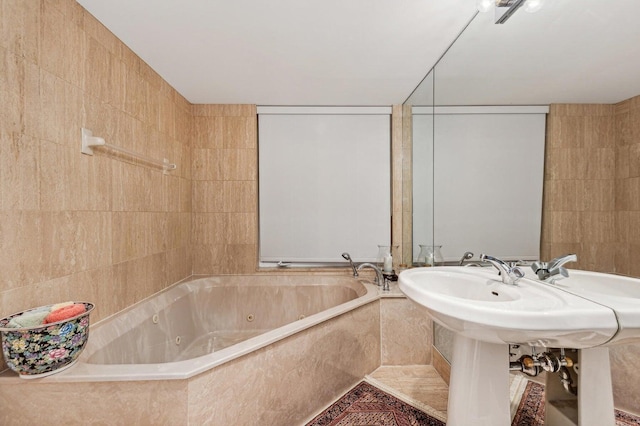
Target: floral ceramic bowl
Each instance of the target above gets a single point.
(42, 350)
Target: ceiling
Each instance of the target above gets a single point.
(375, 52)
(570, 51)
(287, 52)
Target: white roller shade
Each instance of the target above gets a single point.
(324, 177)
(488, 170)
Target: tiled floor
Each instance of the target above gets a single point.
(420, 385)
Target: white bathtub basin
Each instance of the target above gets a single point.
(475, 303)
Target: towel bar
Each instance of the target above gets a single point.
(89, 141)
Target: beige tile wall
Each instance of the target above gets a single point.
(225, 189)
(579, 202)
(72, 226)
(153, 402)
(406, 332)
(626, 359)
(627, 190)
(592, 204)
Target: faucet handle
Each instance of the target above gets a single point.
(558, 273)
(537, 266)
(516, 273)
(541, 269)
(553, 270)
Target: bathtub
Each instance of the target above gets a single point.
(240, 350)
(203, 323)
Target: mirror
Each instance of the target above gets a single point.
(569, 51)
(422, 169)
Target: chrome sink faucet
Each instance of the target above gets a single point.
(508, 274)
(553, 270)
(380, 279)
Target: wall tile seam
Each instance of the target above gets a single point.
(54, 277)
(224, 116)
(133, 259)
(87, 99)
(38, 63)
(237, 180)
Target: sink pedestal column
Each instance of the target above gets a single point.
(594, 404)
(595, 392)
(479, 388)
(479, 384)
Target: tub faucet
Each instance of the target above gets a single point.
(380, 279)
(346, 256)
(508, 274)
(553, 270)
(466, 256)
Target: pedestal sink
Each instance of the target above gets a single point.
(622, 294)
(474, 302)
(487, 316)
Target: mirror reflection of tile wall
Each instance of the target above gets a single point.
(579, 208)
(591, 205)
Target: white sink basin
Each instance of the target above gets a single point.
(622, 294)
(474, 303)
(487, 315)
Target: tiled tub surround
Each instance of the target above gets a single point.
(281, 376)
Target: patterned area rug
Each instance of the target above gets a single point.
(366, 405)
(531, 409)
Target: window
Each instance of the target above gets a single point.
(324, 182)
